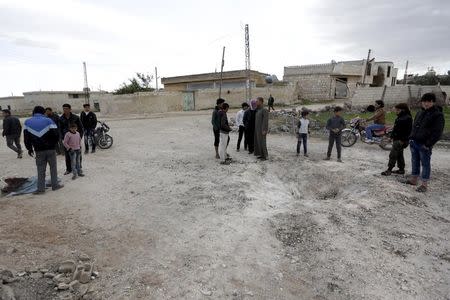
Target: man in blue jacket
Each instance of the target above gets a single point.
(41, 137)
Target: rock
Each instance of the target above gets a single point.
(206, 292)
(21, 274)
(10, 251)
(82, 290)
(33, 270)
(84, 232)
(49, 275)
(63, 286)
(37, 275)
(95, 274)
(249, 293)
(7, 293)
(67, 267)
(60, 278)
(6, 274)
(43, 271)
(83, 257)
(74, 285)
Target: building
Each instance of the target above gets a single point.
(338, 80)
(14, 103)
(230, 80)
(55, 99)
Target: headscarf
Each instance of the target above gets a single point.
(253, 104)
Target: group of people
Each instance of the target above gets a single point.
(253, 123)
(420, 135)
(46, 134)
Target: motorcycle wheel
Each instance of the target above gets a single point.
(348, 138)
(386, 143)
(105, 141)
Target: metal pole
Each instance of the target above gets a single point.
(248, 88)
(86, 86)
(156, 78)
(365, 71)
(221, 72)
(406, 73)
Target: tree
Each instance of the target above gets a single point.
(139, 83)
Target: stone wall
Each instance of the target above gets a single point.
(55, 100)
(392, 95)
(315, 87)
(17, 104)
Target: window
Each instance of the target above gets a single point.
(389, 71)
(74, 96)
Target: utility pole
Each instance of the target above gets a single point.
(367, 65)
(86, 86)
(221, 72)
(248, 88)
(156, 78)
(406, 73)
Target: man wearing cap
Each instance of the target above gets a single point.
(89, 121)
(427, 130)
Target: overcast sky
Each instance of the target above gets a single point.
(43, 43)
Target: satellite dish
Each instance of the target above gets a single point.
(269, 79)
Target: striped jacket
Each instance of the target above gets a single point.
(40, 133)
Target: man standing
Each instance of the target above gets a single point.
(249, 123)
(224, 135)
(261, 129)
(240, 124)
(65, 120)
(55, 118)
(427, 130)
(12, 130)
(41, 136)
(89, 121)
(215, 121)
(270, 102)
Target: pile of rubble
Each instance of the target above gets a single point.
(68, 280)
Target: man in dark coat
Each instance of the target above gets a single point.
(55, 118)
(215, 122)
(400, 136)
(12, 130)
(41, 136)
(261, 129)
(249, 124)
(427, 131)
(65, 120)
(89, 121)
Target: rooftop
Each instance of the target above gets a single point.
(210, 76)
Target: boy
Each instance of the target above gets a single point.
(12, 130)
(72, 142)
(215, 121)
(224, 131)
(303, 131)
(335, 125)
(426, 132)
(89, 121)
(240, 124)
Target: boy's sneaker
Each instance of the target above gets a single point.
(422, 189)
(327, 158)
(386, 173)
(67, 173)
(19, 155)
(227, 162)
(369, 141)
(93, 151)
(339, 160)
(59, 186)
(86, 151)
(80, 174)
(306, 155)
(399, 172)
(74, 177)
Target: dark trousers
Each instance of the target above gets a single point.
(396, 156)
(69, 161)
(242, 133)
(216, 137)
(11, 140)
(302, 137)
(89, 138)
(271, 107)
(334, 138)
(250, 138)
(42, 159)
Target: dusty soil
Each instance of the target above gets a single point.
(164, 220)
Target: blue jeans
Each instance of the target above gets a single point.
(89, 136)
(420, 156)
(75, 159)
(371, 127)
(302, 137)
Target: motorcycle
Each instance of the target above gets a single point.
(357, 130)
(101, 138)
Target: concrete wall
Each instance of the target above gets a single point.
(316, 87)
(392, 95)
(55, 100)
(17, 104)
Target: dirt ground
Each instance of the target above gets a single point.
(163, 220)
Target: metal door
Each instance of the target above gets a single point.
(188, 101)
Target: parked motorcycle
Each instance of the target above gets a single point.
(357, 130)
(101, 138)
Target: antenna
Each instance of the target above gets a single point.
(367, 66)
(221, 72)
(248, 90)
(406, 73)
(156, 78)
(86, 86)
